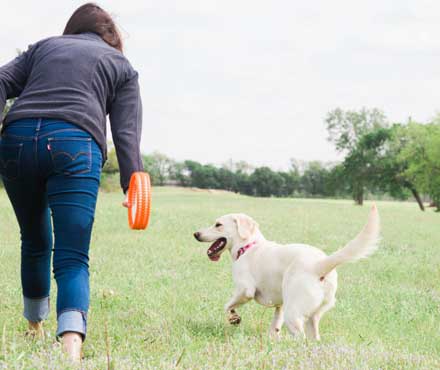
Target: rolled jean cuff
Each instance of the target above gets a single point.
(72, 321)
(36, 309)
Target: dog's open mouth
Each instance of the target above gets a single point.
(215, 250)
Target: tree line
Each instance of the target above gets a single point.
(400, 160)
(309, 179)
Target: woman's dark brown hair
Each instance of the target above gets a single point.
(91, 18)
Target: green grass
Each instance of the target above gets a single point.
(161, 299)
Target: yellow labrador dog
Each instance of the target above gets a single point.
(298, 280)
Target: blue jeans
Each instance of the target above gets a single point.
(51, 171)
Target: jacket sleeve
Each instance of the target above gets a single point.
(126, 127)
(13, 77)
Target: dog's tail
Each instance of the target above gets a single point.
(363, 245)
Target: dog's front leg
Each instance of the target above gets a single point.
(241, 296)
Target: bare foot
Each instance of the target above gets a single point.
(72, 344)
(35, 330)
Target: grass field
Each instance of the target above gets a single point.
(157, 301)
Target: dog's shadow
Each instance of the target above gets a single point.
(208, 329)
(217, 329)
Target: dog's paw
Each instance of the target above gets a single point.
(234, 319)
(275, 334)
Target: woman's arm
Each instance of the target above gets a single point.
(13, 77)
(126, 127)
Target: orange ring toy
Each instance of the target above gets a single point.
(139, 201)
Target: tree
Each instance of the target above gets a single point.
(314, 179)
(389, 166)
(362, 167)
(111, 165)
(180, 174)
(243, 183)
(345, 129)
(225, 179)
(244, 167)
(159, 167)
(266, 182)
(337, 183)
(205, 177)
(421, 153)
(291, 182)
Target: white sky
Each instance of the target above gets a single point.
(251, 79)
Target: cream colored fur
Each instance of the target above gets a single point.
(298, 280)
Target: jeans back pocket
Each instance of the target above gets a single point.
(10, 155)
(71, 155)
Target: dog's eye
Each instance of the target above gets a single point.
(218, 224)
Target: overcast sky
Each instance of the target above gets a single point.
(252, 80)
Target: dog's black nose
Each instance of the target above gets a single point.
(197, 235)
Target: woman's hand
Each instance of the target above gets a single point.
(125, 202)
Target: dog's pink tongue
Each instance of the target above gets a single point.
(213, 250)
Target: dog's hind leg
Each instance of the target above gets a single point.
(277, 322)
(302, 297)
(295, 324)
(312, 326)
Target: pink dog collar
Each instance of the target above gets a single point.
(242, 250)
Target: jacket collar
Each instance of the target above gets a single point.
(91, 35)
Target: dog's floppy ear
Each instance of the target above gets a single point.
(246, 226)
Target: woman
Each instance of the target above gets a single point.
(52, 148)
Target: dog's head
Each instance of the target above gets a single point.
(228, 231)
